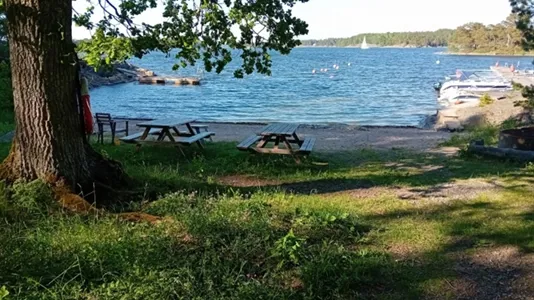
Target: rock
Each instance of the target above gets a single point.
(109, 77)
(453, 125)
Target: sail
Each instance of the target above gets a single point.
(364, 43)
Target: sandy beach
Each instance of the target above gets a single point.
(337, 137)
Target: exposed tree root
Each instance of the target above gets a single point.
(64, 194)
(77, 204)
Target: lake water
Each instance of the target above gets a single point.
(379, 87)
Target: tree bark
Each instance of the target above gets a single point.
(48, 137)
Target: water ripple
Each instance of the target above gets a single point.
(380, 87)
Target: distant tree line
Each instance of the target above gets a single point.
(502, 38)
(437, 38)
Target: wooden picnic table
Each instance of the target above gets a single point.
(285, 139)
(168, 131)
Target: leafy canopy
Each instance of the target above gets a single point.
(525, 14)
(210, 31)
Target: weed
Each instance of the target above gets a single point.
(3, 292)
(486, 100)
(288, 249)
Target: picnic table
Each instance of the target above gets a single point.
(173, 131)
(285, 139)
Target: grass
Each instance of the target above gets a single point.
(305, 233)
(487, 132)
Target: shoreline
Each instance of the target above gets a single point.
(485, 54)
(429, 120)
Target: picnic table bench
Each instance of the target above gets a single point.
(284, 137)
(168, 131)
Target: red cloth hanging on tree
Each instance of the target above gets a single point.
(86, 101)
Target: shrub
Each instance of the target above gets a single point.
(486, 100)
(517, 86)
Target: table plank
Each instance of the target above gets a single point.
(279, 129)
(290, 129)
(165, 123)
(267, 130)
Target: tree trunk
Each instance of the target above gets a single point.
(49, 140)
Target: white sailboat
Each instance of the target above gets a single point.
(364, 44)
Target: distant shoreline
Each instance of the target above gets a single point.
(426, 47)
(486, 54)
(372, 46)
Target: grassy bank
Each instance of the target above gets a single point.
(487, 132)
(386, 225)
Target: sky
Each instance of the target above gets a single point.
(345, 18)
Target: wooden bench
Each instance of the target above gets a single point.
(307, 145)
(132, 138)
(195, 138)
(245, 145)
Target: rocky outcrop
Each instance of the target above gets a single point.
(116, 74)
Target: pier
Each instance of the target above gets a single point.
(169, 80)
(517, 76)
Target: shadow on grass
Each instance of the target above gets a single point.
(217, 247)
(159, 170)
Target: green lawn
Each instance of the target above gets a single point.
(240, 226)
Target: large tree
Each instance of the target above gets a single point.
(49, 139)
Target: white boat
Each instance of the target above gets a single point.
(364, 45)
(475, 81)
(460, 97)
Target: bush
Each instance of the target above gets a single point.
(486, 100)
(517, 86)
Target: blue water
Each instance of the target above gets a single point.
(380, 87)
